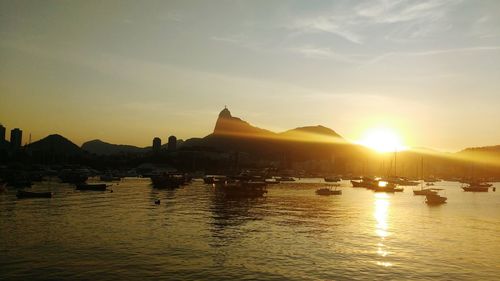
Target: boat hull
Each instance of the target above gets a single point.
(21, 194)
(91, 187)
(475, 189)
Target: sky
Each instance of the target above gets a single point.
(127, 71)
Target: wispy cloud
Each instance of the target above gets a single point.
(397, 11)
(331, 25)
(323, 53)
(397, 18)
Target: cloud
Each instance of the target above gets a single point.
(323, 53)
(331, 25)
(398, 11)
(398, 19)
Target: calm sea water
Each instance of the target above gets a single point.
(292, 234)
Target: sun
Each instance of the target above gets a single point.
(382, 140)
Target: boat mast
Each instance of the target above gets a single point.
(395, 162)
(422, 173)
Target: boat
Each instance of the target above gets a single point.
(357, 183)
(424, 191)
(210, 179)
(31, 194)
(243, 188)
(384, 186)
(366, 183)
(332, 179)
(475, 188)
(434, 199)
(402, 181)
(91, 186)
(168, 180)
(476, 185)
(480, 184)
(328, 191)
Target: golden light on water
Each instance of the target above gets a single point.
(381, 228)
(382, 139)
(380, 214)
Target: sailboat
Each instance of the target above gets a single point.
(476, 185)
(423, 191)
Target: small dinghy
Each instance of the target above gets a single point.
(30, 194)
(91, 186)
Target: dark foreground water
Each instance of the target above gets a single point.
(292, 234)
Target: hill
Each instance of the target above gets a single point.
(55, 144)
(103, 148)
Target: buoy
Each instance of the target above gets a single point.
(157, 201)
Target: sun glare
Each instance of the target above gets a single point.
(382, 140)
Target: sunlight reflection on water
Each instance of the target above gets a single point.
(380, 213)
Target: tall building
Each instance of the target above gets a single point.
(172, 143)
(156, 144)
(2, 133)
(16, 138)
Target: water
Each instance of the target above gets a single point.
(292, 234)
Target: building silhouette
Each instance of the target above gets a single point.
(16, 137)
(2, 133)
(156, 144)
(172, 143)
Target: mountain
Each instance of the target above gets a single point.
(312, 133)
(227, 125)
(233, 134)
(103, 148)
(484, 149)
(54, 145)
(486, 154)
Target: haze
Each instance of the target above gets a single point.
(126, 71)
